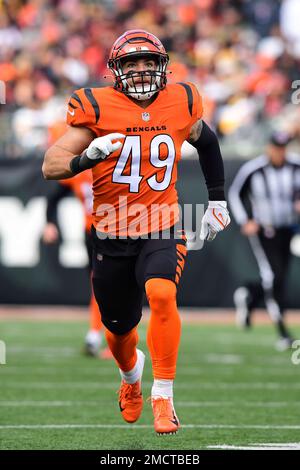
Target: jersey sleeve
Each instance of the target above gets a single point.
(192, 108)
(196, 106)
(84, 110)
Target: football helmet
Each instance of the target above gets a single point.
(132, 44)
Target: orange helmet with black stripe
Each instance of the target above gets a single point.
(133, 44)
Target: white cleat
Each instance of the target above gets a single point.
(92, 343)
(284, 344)
(241, 299)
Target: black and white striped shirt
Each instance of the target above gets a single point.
(270, 192)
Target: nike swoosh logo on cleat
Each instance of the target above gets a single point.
(174, 420)
(121, 409)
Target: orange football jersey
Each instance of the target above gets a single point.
(81, 185)
(134, 188)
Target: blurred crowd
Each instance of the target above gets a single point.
(244, 55)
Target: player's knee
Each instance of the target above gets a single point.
(161, 293)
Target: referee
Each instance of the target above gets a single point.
(265, 202)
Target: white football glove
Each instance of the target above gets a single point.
(215, 219)
(101, 147)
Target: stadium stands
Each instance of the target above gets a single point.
(243, 55)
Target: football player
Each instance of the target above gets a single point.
(81, 186)
(131, 134)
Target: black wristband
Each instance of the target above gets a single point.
(81, 163)
(74, 165)
(216, 194)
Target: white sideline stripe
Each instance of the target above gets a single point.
(250, 404)
(210, 358)
(182, 404)
(286, 368)
(147, 426)
(43, 349)
(223, 359)
(240, 339)
(183, 386)
(263, 446)
(49, 404)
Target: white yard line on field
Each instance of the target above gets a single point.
(108, 369)
(147, 426)
(182, 404)
(181, 386)
(262, 446)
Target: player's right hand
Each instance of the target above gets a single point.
(101, 147)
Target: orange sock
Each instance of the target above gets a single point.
(164, 328)
(123, 348)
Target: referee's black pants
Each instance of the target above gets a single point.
(271, 249)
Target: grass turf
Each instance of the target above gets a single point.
(232, 388)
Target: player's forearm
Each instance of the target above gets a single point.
(211, 162)
(56, 164)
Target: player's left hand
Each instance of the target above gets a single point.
(215, 219)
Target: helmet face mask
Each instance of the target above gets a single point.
(138, 44)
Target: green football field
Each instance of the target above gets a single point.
(232, 389)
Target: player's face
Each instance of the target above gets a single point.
(139, 65)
